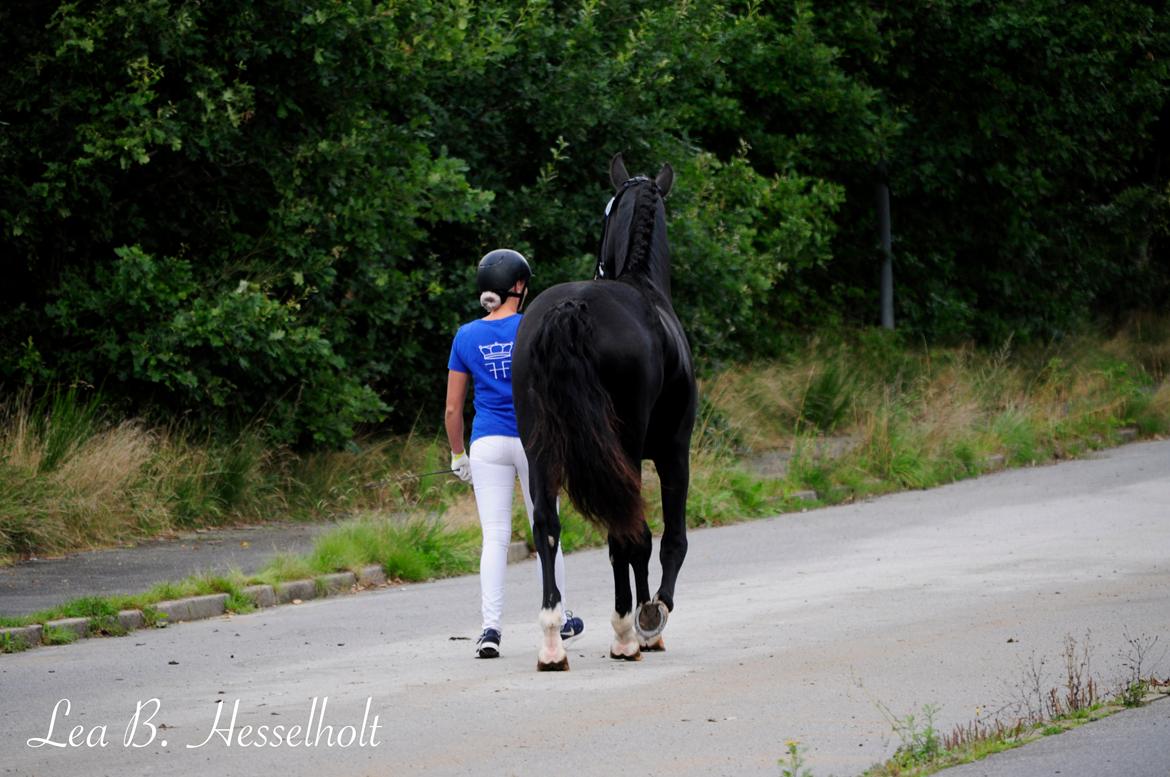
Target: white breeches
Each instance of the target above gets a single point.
(496, 461)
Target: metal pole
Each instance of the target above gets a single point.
(883, 203)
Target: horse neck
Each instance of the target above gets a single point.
(653, 276)
(649, 263)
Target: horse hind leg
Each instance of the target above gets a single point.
(546, 535)
(625, 644)
(651, 616)
(648, 619)
(651, 620)
(674, 474)
(552, 656)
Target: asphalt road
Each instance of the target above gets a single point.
(794, 628)
(45, 582)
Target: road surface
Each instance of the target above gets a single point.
(793, 628)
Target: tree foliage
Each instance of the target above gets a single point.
(271, 210)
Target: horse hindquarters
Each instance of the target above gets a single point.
(568, 428)
(567, 417)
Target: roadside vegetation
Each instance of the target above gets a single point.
(849, 416)
(845, 416)
(1036, 710)
(409, 550)
(218, 238)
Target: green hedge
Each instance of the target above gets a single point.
(270, 210)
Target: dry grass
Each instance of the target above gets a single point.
(755, 402)
(918, 417)
(70, 479)
(859, 414)
(74, 495)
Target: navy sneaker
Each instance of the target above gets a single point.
(572, 628)
(488, 645)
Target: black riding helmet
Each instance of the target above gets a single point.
(500, 269)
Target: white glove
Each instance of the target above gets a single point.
(461, 466)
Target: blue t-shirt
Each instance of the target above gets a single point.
(483, 349)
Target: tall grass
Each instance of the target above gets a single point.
(72, 476)
(912, 417)
(854, 414)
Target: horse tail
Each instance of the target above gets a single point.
(575, 429)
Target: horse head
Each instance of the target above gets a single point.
(633, 239)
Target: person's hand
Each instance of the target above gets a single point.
(461, 466)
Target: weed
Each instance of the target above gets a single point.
(1038, 712)
(62, 421)
(1080, 688)
(792, 765)
(152, 617)
(713, 429)
(411, 550)
(102, 614)
(920, 742)
(1135, 658)
(55, 635)
(825, 399)
(285, 566)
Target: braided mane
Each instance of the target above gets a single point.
(642, 229)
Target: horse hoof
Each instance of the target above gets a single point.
(553, 666)
(632, 657)
(650, 620)
(657, 646)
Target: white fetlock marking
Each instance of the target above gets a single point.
(625, 641)
(552, 649)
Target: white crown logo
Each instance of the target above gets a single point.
(496, 351)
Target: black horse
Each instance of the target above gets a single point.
(602, 379)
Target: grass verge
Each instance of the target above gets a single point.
(924, 750)
(847, 416)
(863, 413)
(405, 550)
(73, 477)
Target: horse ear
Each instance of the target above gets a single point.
(617, 171)
(665, 179)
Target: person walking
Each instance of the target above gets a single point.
(481, 356)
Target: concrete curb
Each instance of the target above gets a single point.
(193, 608)
(79, 626)
(296, 590)
(132, 619)
(339, 582)
(371, 576)
(212, 605)
(261, 595)
(26, 636)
